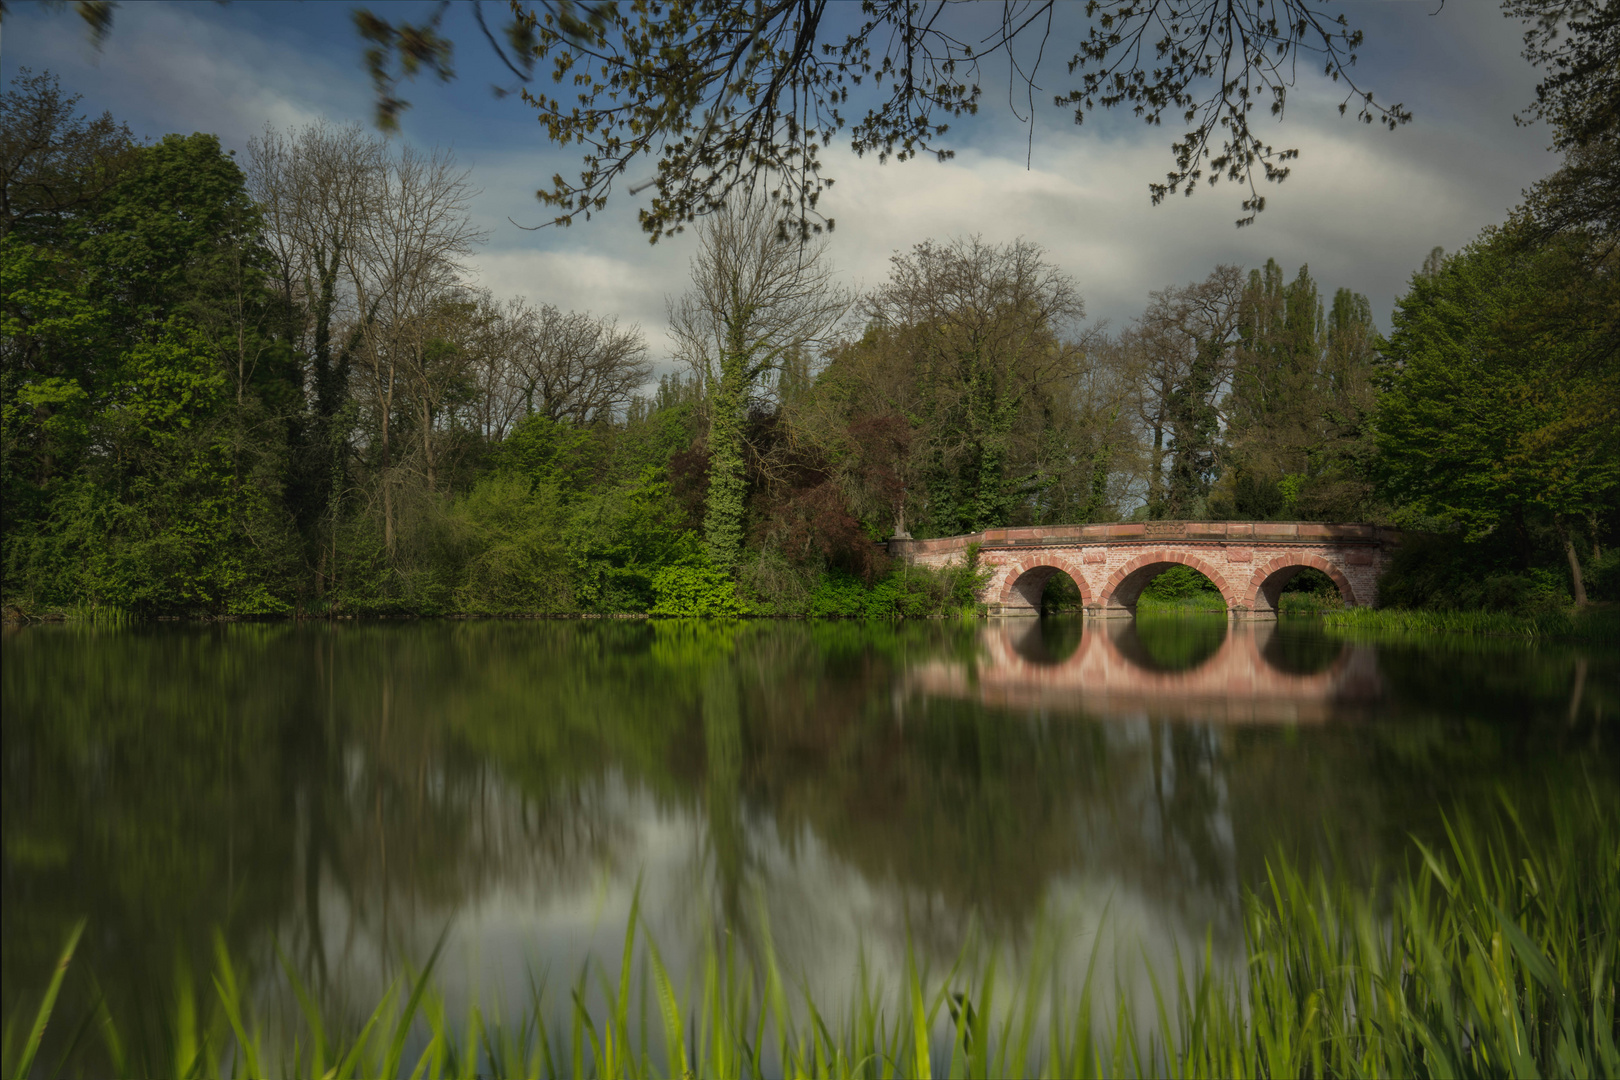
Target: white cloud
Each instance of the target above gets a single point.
(179, 68)
(574, 278)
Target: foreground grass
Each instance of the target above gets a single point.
(1493, 956)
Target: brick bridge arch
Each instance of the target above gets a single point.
(1265, 586)
(1025, 579)
(1125, 585)
(1249, 562)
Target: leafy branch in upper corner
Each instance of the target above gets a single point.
(728, 95)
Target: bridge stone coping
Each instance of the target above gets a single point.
(1248, 561)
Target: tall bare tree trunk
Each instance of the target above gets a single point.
(427, 444)
(388, 463)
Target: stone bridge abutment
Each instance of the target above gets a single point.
(1249, 562)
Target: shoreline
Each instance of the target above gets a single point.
(1596, 622)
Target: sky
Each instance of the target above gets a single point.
(1362, 207)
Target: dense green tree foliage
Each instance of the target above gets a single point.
(1298, 414)
(138, 362)
(1502, 402)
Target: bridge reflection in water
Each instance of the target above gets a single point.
(1207, 670)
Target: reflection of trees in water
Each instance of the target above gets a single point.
(1171, 643)
(1301, 650)
(142, 791)
(168, 782)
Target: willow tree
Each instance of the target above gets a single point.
(758, 300)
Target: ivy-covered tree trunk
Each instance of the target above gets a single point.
(728, 479)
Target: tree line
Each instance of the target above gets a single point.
(269, 386)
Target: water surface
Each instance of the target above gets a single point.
(350, 792)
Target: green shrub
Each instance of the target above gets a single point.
(907, 592)
(1446, 573)
(515, 556)
(773, 585)
(1179, 583)
(912, 593)
(696, 592)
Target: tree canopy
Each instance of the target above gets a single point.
(1502, 399)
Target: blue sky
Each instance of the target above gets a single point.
(1363, 206)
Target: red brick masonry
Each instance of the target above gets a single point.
(1249, 562)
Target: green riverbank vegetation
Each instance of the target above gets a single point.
(1490, 955)
(256, 387)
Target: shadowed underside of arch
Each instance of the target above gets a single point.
(1265, 586)
(1027, 578)
(1125, 585)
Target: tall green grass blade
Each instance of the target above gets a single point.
(351, 1064)
(187, 1048)
(230, 998)
(670, 1008)
(921, 1064)
(402, 1026)
(979, 1051)
(312, 1017)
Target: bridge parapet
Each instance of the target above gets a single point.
(1249, 561)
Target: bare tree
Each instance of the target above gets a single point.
(757, 299)
(565, 365)
(571, 365)
(493, 342)
(313, 187)
(414, 234)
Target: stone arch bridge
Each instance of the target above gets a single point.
(1249, 562)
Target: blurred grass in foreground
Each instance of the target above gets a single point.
(1493, 956)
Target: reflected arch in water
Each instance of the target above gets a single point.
(1105, 677)
(1027, 578)
(1125, 584)
(1270, 578)
(1049, 642)
(1178, 643)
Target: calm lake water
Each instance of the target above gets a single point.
(350, 792)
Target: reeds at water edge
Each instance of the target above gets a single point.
(1592, 624)
(1492, 955)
